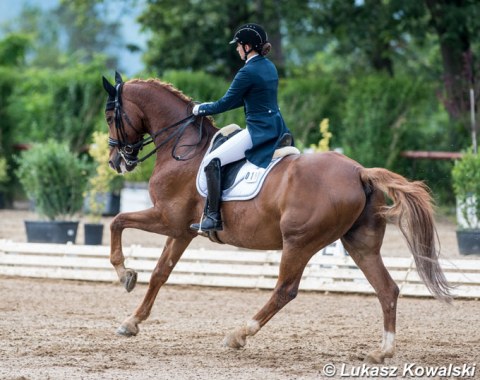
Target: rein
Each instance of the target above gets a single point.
(129, 151)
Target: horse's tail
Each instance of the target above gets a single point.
(412, 210)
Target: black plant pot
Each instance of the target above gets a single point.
(468, 242)
(93, 233)
(112, 204)
(59, 232)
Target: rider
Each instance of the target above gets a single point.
(254, 87)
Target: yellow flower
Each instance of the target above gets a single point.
(324, 143)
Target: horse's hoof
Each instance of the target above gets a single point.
(126, 331)
(375, 357)
(234, 341)
(129, 280)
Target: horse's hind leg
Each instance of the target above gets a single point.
(292, 264)
(363, 243)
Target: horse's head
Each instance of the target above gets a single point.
(125, 125)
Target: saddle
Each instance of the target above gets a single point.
(242, 180)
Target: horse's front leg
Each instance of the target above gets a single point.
(171, 254)
(146, 220)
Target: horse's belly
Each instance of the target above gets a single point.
(251, 232)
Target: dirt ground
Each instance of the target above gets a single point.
(52, 329)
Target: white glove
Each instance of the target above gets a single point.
(195, 109)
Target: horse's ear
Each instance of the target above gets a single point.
(118, 78)
(109, 87)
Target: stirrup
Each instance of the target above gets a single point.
(217, 224)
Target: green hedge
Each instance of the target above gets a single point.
(65, 105)
(305, 102)
(372, 117)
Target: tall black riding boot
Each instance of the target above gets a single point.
(212, 220)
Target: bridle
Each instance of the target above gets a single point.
(129, 151)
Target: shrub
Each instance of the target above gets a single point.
(53, 177)
(466, 185)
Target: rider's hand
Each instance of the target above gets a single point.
(195, 109)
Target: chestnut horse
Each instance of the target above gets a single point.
(307, 202)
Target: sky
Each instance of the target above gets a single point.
(131, 62)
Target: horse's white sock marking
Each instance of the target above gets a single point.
(388, 344)
(252, 327)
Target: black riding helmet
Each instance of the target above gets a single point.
(251, 34)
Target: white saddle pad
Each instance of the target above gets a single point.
(250, 177)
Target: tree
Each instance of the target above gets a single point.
(87, 28)
(433, 38)
(195, 34)
(456, 23)
(76, 30)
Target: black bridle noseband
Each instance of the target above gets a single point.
(129, 151)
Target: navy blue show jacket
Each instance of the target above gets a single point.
(255, 87)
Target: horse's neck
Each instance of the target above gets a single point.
(163, 107)
(196, 136)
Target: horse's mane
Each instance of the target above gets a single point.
(170, 88)
(167, 86)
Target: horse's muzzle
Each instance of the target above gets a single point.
(116, 163)
(120, 165)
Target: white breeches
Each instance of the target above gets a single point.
(231, 150)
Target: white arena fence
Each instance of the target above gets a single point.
(330, 270)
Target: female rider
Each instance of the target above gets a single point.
(254, 87)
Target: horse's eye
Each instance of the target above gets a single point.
(109, 120)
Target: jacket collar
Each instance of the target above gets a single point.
(253, 59)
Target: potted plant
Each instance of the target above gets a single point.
(103, 191)
(466, 185)
(54, 178)
(3, 179)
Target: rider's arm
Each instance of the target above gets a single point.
(233, 98)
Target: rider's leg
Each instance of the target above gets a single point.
(233, 149)
(230, 151)
(212, 220)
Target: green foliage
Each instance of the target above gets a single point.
(203, 87)
(8, 128)
(13, 49)
(64, 105)
(74, 30)
(377, 111)
(3, 171)
(304, 102)
(88, 32)
(54, 178)
(466, 184)
(194, 33)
